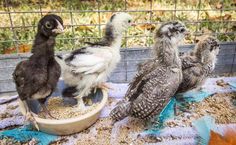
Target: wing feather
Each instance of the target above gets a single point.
(29, 79)
(156, 92)
(135, 87)
(89, 63)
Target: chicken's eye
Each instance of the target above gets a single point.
(182, 30)
(48, 25)
(129, 21)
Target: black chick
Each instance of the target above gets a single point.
(37, 77)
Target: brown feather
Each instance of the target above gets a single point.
(198, 64)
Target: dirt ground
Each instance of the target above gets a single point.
(220, 106)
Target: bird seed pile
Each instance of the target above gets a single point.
(221, 106)
(60, 111)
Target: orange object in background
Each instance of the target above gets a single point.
(23, 48)
(229, 138)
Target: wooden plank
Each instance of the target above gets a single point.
(233, 68)
(227, 49)
(120, 67)
(225, 59)
(135, 53)
(10, 62)
(117, 77)
(130, 59)
(130, 76)
(6, 73)
(7, 86)
(219, 69)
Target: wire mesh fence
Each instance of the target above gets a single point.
(86, 23)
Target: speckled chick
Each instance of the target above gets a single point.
(198, 64)
(157, 80)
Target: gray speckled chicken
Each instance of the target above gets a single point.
(88, 67)
(198, 64)
(157, 80)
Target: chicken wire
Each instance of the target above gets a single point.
(146, 38)
(132, 54)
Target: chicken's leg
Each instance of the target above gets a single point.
(104, 86)
(28, 114)
(44, 108)
(80, 102)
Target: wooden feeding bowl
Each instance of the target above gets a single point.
(71, 125)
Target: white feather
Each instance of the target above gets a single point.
(94, 66)
(91, 68)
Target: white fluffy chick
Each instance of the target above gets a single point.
(88, 67)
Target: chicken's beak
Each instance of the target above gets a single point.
(133, 24)
(187, 33)
(59, 29)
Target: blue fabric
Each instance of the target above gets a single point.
(169, 111)
(203, 126)
(26, 133)
(166, 113)
(232, 84)
(193, 96)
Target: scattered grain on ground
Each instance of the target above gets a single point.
(220, 106)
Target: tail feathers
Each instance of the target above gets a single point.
(120, 111)
(69, 91)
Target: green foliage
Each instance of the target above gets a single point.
(5, 35)
(74, 37)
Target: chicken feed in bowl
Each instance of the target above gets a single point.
(59, 110)
(63, 122)
(66, 107)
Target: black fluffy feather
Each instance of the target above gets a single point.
(68, 92)
(107, 40)
(40, 73)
